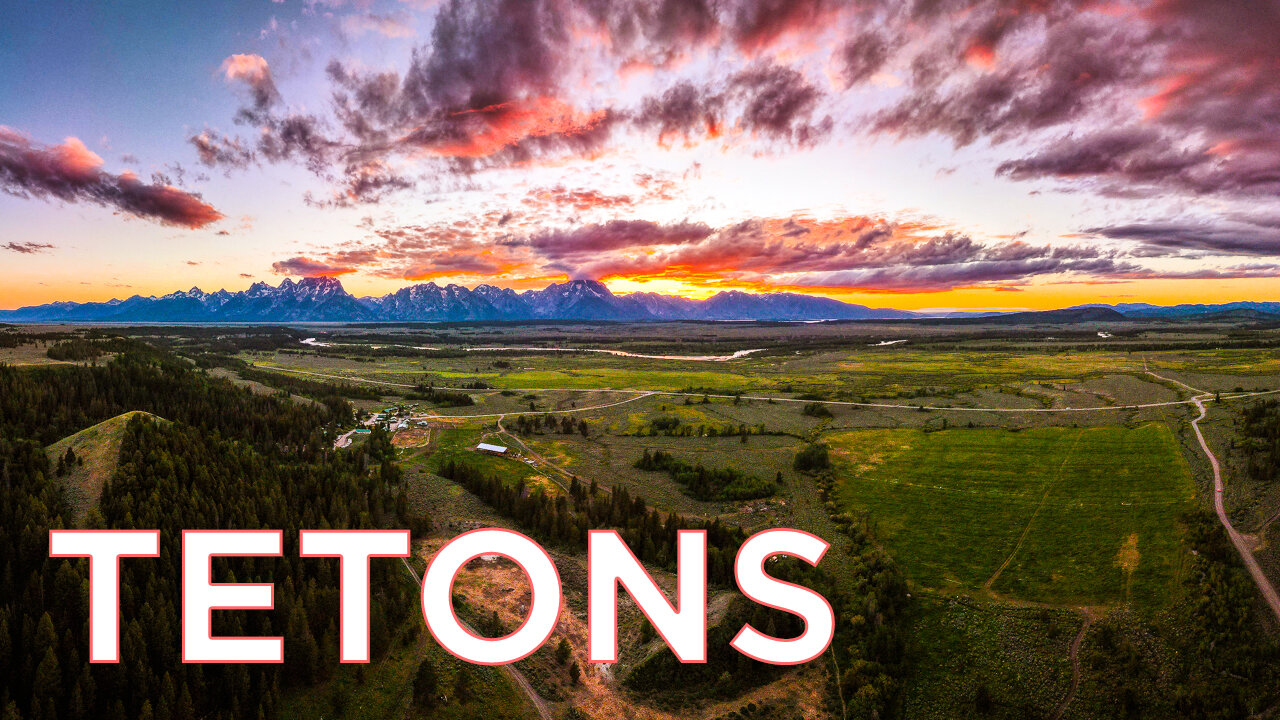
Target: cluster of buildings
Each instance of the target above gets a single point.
(393, 419)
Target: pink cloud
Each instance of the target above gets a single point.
(72, 172)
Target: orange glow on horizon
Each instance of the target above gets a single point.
(1030, 297)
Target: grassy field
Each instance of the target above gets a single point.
(1056, 515)
(36, 354)
(97, 449)
(458, 444)
(1018, 655)
(973, 377)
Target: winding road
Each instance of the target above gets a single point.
(1260, 578)
(1265, 587)
(1242, 546)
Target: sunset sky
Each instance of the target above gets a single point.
(913, 154)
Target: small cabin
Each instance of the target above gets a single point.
(491, 449)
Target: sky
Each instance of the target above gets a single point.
(897, 153)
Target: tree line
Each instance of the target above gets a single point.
(564, 520)
(564, 425)
(323, 391)
(704, 483)
(441, 397)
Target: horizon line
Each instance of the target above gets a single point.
(289, 280)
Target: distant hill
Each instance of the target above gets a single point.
(1053, 317)
(325, 300)
(97, 451)
(1243, 310)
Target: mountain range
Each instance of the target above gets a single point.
(323, 299)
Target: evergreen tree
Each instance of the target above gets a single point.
(462, 690)
(563, 651)
(426, 686)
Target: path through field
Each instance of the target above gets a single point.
(1074, 655)
(511, 670)
(1048, 489)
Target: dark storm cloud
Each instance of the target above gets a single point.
(1134, 99)
(1143, 160)
(298, 136)
(1137, 154)
(72, 173)
(757, 24)
(497, 85)
(655, 30)
(1171, 95)
(766, 99)
(683, 109)
(485, 54)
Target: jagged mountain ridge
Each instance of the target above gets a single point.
(324, 299)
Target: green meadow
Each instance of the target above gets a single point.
(1078, 516)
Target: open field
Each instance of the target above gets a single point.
(1055, 515)
(865, 373)
(30, 354)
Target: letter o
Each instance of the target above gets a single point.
(544, 601)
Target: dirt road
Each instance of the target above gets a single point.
(1242, 546)
(511, 671)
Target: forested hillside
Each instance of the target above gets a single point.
(228, 459)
